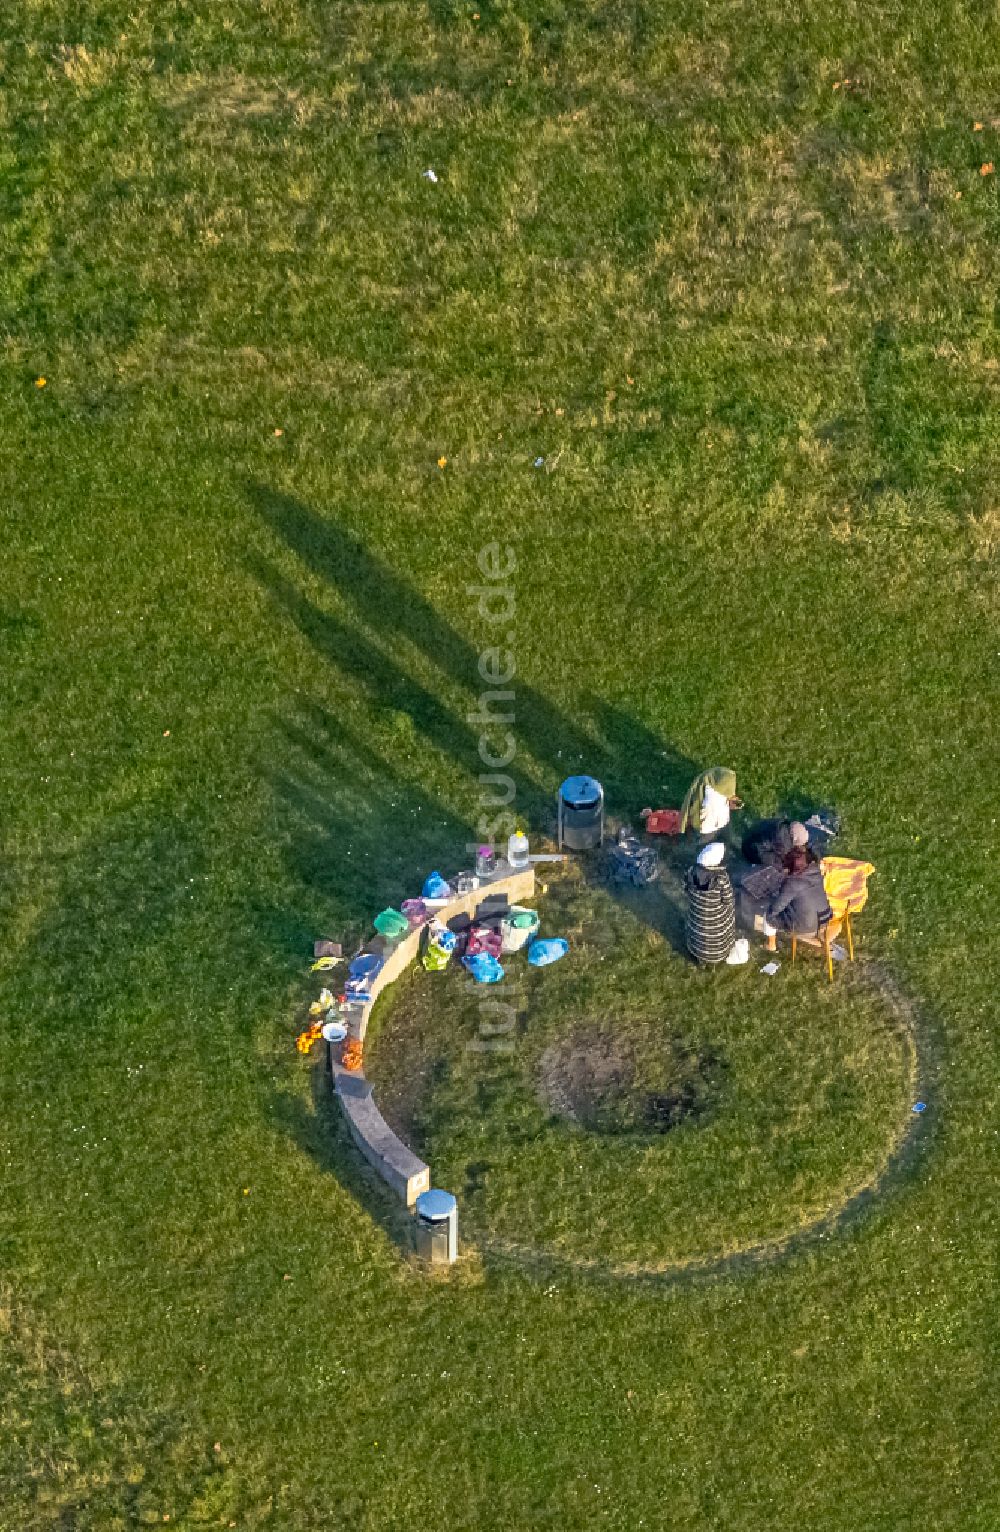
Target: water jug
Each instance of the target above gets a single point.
(517, 850)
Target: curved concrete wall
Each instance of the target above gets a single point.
(398, 1166)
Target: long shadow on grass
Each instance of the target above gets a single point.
(389, 620)
(365, 826)
(363, 833)
(358, 828)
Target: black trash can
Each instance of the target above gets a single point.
(581, 813)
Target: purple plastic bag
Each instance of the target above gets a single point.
(483, 939)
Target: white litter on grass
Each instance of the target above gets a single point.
(739, 953)
(837, 952)
(539, 462)
(429, 175)
(770, 969)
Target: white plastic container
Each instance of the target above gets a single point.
(515, 937)
(517, 851)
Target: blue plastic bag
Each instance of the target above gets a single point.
(435, 887)
(484, 968)
(549, 950)
(366, 965)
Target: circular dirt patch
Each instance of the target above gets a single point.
(637, 1079)
(626, 1111)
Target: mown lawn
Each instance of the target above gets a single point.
(730, 273)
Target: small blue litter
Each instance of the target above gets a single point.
(919, 1106)
(435, 887)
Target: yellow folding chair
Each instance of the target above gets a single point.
(824, 939)
(845, 879)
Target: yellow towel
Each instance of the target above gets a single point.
(846, 882)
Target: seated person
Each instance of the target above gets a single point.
(800, 906)
(710, 928)
(768, 842)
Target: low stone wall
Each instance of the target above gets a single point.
(398, 1166)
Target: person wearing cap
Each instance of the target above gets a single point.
(768, 843)
(710, 926)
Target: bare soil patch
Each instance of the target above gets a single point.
(635, 1078)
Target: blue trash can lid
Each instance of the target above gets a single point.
(581, 792)
(436, 1204)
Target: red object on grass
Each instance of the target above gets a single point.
(662, 821)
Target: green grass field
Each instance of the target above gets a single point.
(731, 272)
